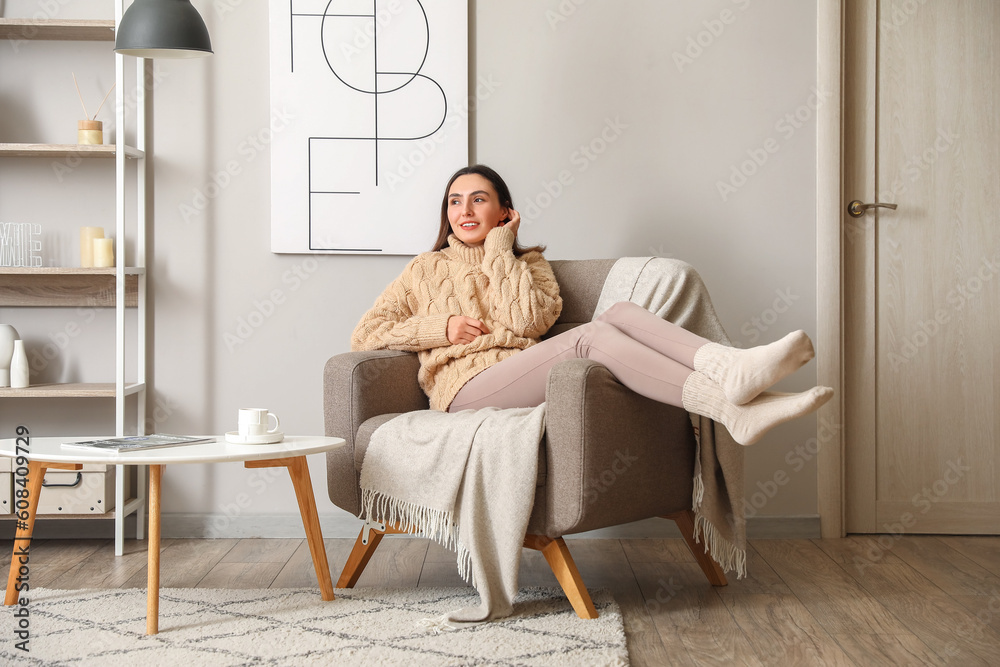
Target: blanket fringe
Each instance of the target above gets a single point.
(437, 624)
(465, 565)
(698, 495)
(724, 552)
(437, 525)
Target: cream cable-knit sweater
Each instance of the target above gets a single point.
(516, 297)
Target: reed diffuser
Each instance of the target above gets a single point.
(90, 131)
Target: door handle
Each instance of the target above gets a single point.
(856, 209)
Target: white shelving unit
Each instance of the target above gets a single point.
(120, 287)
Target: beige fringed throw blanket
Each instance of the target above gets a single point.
(465, 480)
(673, 290)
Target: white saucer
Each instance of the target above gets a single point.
(266, 439)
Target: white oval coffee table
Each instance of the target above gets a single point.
(42, 454)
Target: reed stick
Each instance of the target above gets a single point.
(86, 114)
(103, 101)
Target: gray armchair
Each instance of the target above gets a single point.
(609, 455)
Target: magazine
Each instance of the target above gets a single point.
(136, 442)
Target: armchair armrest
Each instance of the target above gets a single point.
(356, 387)
(612, 456)
(360, 385)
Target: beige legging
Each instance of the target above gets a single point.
(647, 354)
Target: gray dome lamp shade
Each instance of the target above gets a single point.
(162, 29)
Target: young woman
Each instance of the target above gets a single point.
(475, 307)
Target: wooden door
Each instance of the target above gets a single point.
(922, 282)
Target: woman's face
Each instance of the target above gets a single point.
(474, 209)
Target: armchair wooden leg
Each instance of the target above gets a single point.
(559, 559)
(361, 554)
(685, 522)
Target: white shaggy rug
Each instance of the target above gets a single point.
(363, 626)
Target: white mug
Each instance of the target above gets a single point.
(253, 422)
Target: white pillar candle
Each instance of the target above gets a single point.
(87, 236)
(104, 254)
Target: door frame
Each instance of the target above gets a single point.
(830, 259)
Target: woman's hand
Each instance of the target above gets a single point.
(513, 223)
(462, 329)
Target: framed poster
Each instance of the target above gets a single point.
(372, 97)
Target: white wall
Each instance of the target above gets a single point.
(674, 96)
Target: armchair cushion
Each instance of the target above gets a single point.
(581, 283)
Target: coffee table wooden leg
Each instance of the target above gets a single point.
(26, 526)
(298, 470)
(153, 553)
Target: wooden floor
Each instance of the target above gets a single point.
(913, 600)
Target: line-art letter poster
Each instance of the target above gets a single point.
(371, 98)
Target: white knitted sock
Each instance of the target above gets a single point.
(743, 374)
(747, 423)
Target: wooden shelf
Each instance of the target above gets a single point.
(71, 390)
(64, 287)
(67, 150)
(58, 29)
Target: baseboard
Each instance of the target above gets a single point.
(758, 528)
(347, 526)
(201, 525)
(784, 527)
(269, 526)
(71, 529)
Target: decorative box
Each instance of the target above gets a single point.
(87, 491)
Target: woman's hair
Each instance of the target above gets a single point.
(503, 193)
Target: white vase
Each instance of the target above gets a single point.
(8, 335)
(19, 370)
